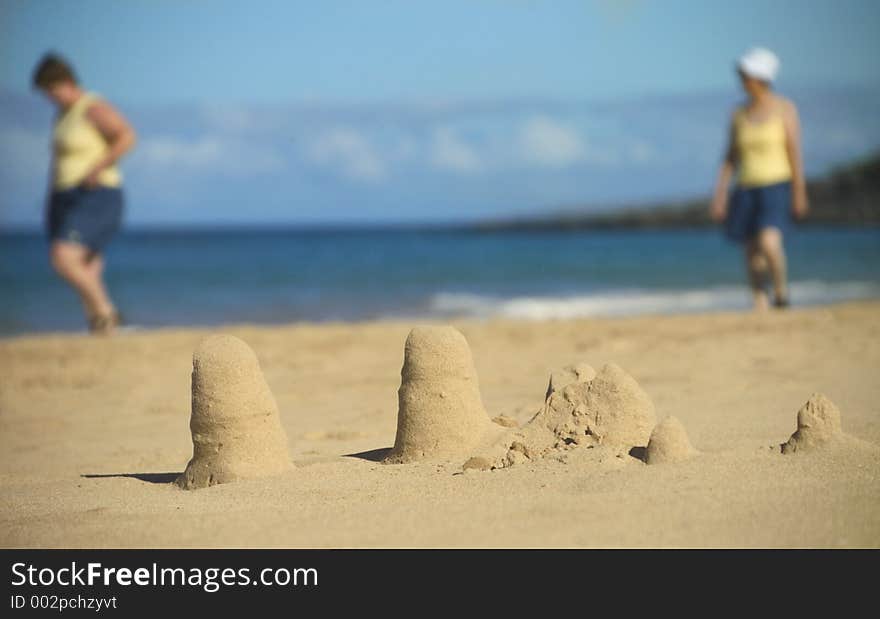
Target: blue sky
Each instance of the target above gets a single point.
(407, 111)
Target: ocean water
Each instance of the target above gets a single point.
(182, 278)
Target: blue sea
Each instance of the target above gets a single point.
(178, 278)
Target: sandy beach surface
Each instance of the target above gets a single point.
(93, 431)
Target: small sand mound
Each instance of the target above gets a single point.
(669, 443)
(818, 421)
(440, 412)
(236, 430)
(609, 409)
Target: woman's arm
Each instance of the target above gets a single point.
(117, 132)
(799, 203)
(718, 207)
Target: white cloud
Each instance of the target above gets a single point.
(229, 156)
(229, 118)
(547, 143)
(351, 152)
(449, 152)
(168, 151)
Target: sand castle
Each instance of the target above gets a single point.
(237, 433)
(582, 408)
(818, 421)
(440, 412)
(236, 430)
(669, 443)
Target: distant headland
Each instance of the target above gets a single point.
(848, 195)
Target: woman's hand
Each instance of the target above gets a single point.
(800, 205)
(91, 181)
(718, 207)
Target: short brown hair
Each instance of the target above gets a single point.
(52, 69)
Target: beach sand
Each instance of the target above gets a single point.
(94, 431)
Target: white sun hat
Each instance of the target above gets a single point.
(759, 63)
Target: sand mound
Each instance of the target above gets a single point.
(818, 421)
(608, 409)
(236, 430)
(440, 412)
(669, 443)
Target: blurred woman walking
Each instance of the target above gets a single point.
(764, 150)
(85, 201)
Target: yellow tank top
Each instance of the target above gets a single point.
(78, 147)
(763, 159)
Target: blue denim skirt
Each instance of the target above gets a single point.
(754, 208)
(87, 216)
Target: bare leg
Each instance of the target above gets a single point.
(95, 265)
(756, 266)
(770, 243)
(82, 270)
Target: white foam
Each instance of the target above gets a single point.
(638, 301)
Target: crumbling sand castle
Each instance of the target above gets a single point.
(818, 422)
(609, 408)
(236, 430)
(582, 408)
(669, 443)
(440, 412)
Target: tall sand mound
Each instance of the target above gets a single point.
(669, 443)
(440, 412)
(818, 421)
(236, 430)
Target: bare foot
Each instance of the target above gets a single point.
(780, 299)
(104, 324)
(760, 302)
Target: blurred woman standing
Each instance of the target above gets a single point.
(764, 149)
(85, 200)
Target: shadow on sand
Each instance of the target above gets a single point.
(150, 478)
(373, 455)
(639, 453)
